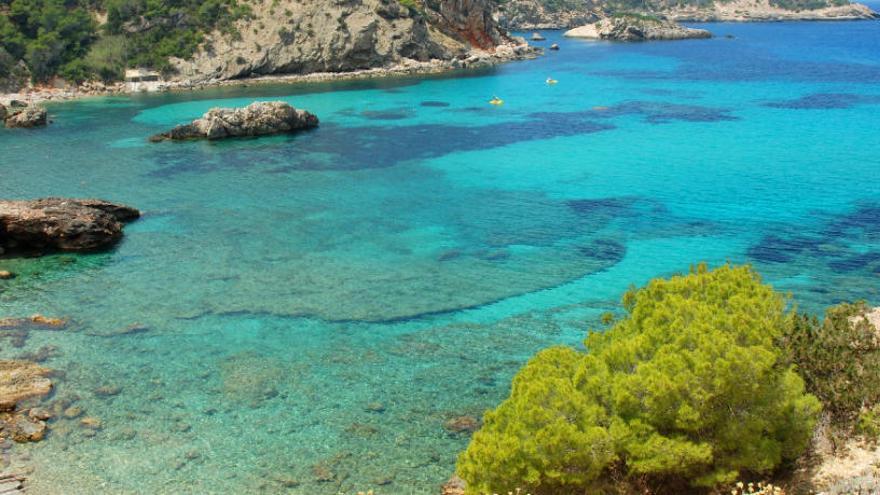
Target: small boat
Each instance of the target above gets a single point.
(551, 81)
(496, 101)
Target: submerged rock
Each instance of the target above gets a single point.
(636, 28)
(23, 429)
(20, 380)
(462, 424)
(455, 486)
(58, 224)
(257, 119)
(29, 116)
(91, 422)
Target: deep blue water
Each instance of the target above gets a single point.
(420, 245)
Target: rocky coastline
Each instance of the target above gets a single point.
(764, 11)
(514, 50)
(528, 15)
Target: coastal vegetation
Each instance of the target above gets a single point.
(65, 37)
(839, 358)
(707, 377)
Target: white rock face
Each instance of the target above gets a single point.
(318, 36)
(635, 28)
(587, 31)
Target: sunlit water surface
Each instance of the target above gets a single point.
(318, 306)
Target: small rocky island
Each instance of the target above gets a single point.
(57, 224)
(636, 28)
(24, 116)
(260, 118)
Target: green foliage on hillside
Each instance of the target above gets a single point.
(62, 36)
(688, 390)
(157, 29)
(839, 358)
(49, 35)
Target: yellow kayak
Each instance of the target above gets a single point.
(551, 81)
(496, 101)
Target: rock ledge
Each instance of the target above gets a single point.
(59, 224)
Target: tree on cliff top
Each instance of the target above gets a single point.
(688, 390)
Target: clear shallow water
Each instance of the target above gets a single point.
(421, 245)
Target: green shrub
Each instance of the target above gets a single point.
(839, 359)
(869, 423)
(688, 390)
(412, 5)
(107, 58)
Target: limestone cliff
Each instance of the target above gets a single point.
(301, 37)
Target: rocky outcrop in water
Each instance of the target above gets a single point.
(636, 28)
(256, 119)
(58, 224)
(25, 117)
(322, 36)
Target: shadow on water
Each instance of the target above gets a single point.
(834, 244)
(361, 148)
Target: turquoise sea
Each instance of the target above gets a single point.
(316, 307)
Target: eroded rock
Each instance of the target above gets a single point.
(257, 119)
(29, 116)
(58, 224)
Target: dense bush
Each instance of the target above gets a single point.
(46, 34)
(158, 29)
(59, 36)
(689, 389)
(839, 358)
